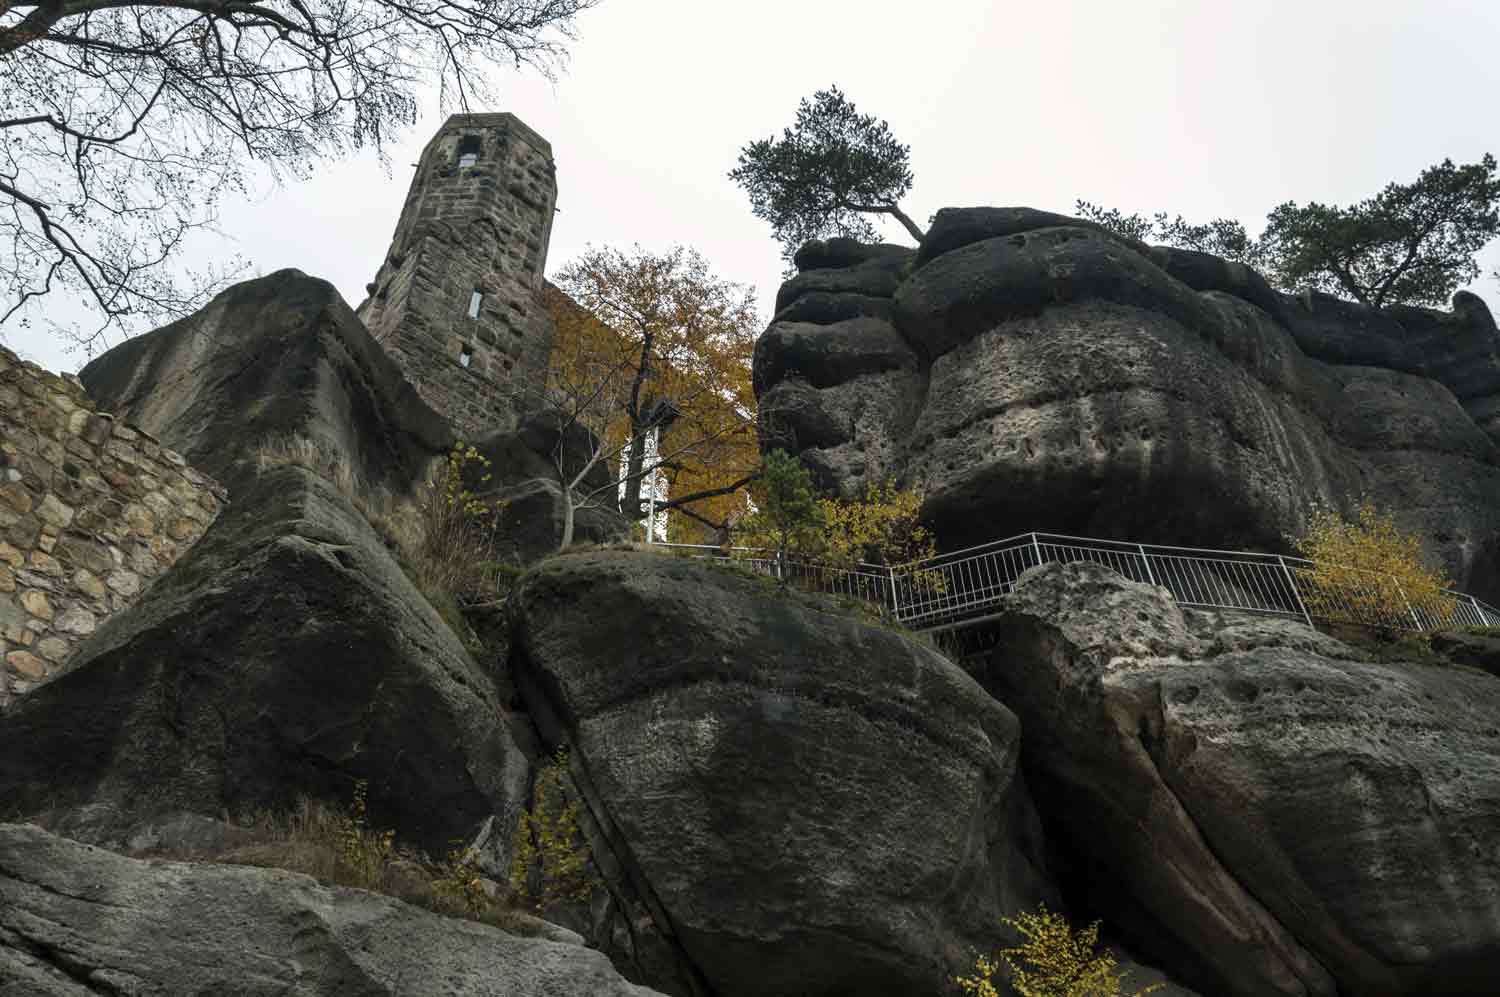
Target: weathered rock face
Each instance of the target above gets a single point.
(804, 803)
(1260, 812)
(1033, 372)
(835, 380)
(80, 920)
(287, 653)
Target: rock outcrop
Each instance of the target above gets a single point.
(524, 483)
(1259, 811)
(1032, 372)
(77, 920)
(287, 653)
(801, 802)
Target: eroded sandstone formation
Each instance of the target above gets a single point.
(78, 920)
(800, 802)
(1028, 371)
(1256, 807)
(288, 652)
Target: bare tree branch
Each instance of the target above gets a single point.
(124, 123)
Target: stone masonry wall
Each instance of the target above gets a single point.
(91, 511)
(471, 226)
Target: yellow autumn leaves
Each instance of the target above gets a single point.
(1053, 960)
(1366, 570)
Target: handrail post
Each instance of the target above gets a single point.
(1146, 563)
(895, 603)
(1484, 620)
(1038, 548)
(1292, 583)
(1409, 608)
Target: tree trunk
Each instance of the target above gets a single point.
(567, 533)
(911, 226)
(635, 460)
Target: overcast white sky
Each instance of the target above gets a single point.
(1187, 106)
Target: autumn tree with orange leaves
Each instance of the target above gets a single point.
(652, 353)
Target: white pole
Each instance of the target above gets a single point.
(651, 486)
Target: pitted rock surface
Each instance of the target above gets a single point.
(1285, 818)
(288, 652)
(1066, 380)
(810, 804)
(78, 920)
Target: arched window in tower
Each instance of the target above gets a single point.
(476, 302)
(468, 151)
(466, 356)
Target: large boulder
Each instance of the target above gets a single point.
(288, 653)
(805, 803)
(77, 920)
(1260, 811)
(277, 356)
(523, 481)
(1063, 379)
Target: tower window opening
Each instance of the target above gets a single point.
(466, 356)
(476, 301)
(468, 151)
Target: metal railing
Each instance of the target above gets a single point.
(964, 587)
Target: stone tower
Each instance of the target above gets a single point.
(457, 301)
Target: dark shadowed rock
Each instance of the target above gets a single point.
(278, 355)
(808, 804)
(970, 290)
(1206, 272)
(1475, 650)
(876, 278)
(841, 252)
(77, 920)
(524, 480)
(531, 521)
(551, 437)
(830, 354)
(1280, 817)
(288, 653)
(827, 307)
(954, 228)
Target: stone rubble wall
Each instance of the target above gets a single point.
(91, 512)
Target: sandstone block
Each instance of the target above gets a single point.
(127, 583)
(27, 664)
(77, 620)
(35, 602)
(44, 563)
(52, 648)
(16, 496)
(88, 583)
(55, 512)
(139, 520)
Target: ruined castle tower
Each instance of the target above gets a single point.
(457, 301)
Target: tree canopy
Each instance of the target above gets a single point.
(123, 123)
(1409, 244)
(660, 350)
(826, 174)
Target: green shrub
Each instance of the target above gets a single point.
(550, 861)
(1366, 570)
(339, 847)
(1052, 960)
